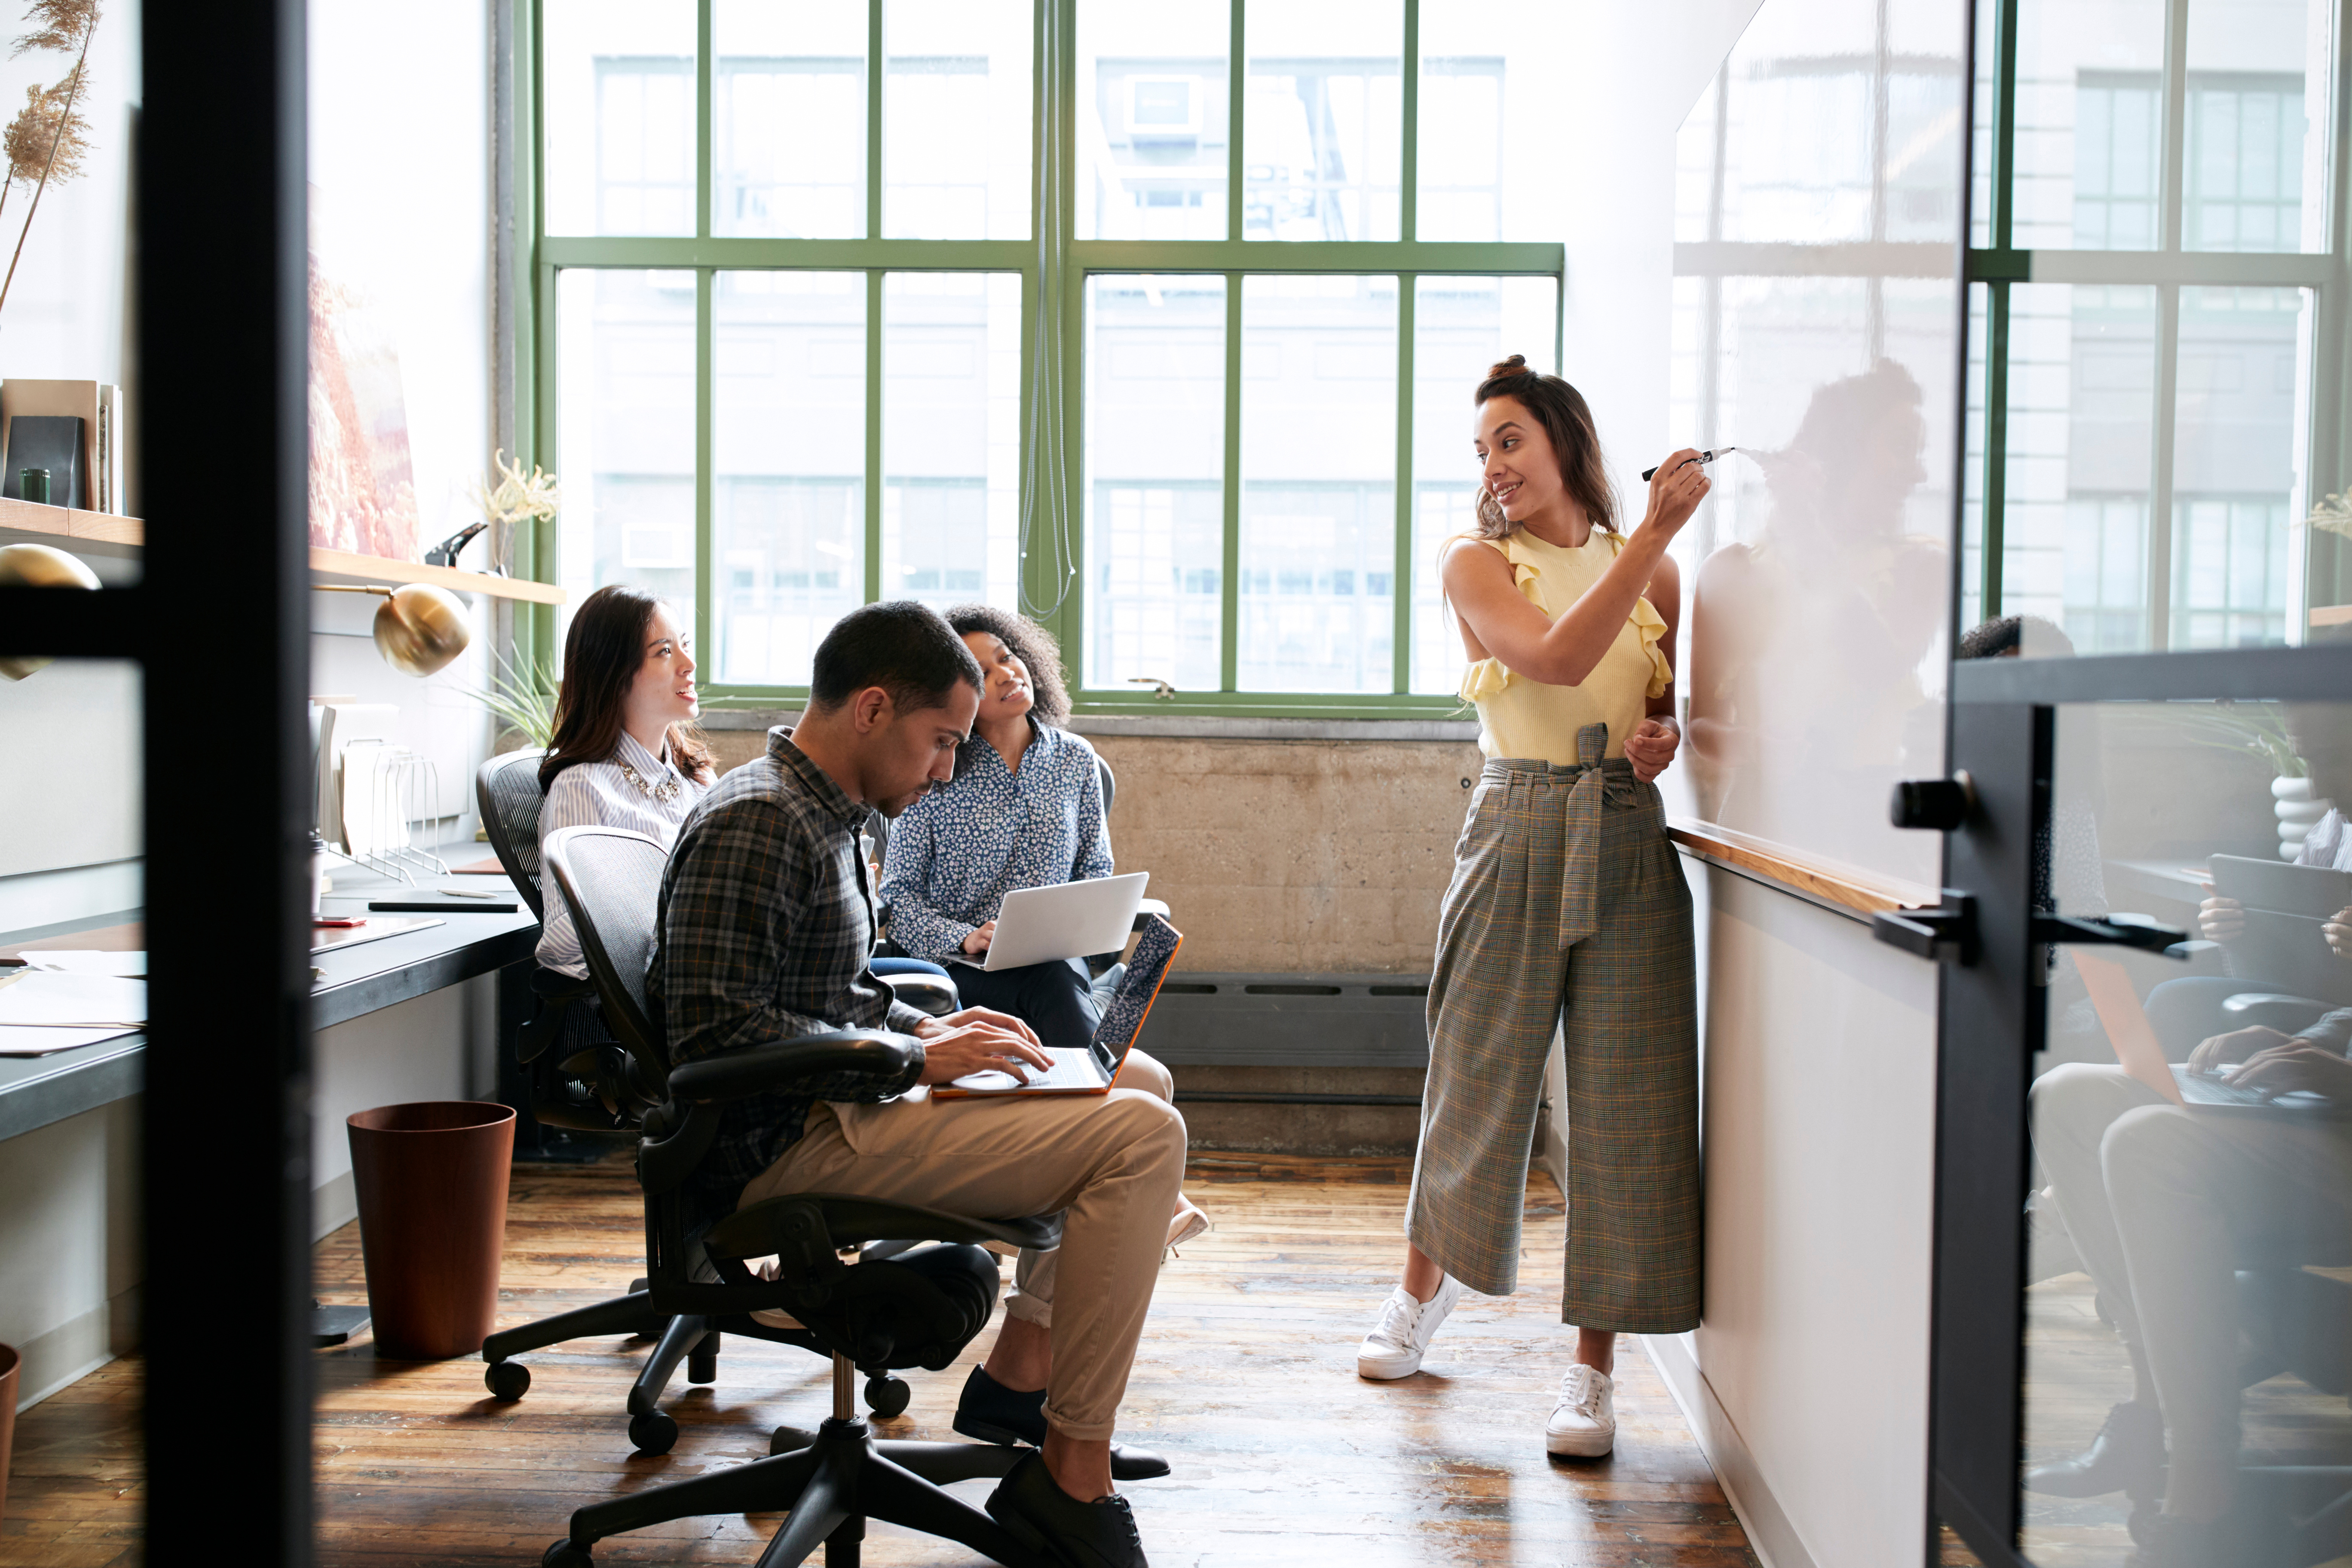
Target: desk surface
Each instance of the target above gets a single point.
(354, 980)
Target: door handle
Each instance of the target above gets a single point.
(1939, 806)
(2113, 930)
(1944, 934)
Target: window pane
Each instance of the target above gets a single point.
(1322, 148)
(956, 114)
(2235, 482)
(788, 496)
(1155, 355)
(1460, 327)
(788, 119)
(1487, 131)
(2254, 171)
(2080, 429)
(951, 437)
(1318, 484)
(625, 434)
(619, 85)
(1153, 117)
(2090, 124)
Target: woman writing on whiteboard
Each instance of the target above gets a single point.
(1567, 910)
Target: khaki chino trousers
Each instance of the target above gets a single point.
(1111, 1162)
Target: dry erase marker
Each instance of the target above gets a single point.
(1703, 457)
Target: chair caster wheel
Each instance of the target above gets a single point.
(563, 1554)
(888, 1396)
(507, 1381)
(652, 1433)
(788, 1441)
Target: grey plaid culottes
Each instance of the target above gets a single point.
(1567, 907)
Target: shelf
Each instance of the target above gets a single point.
(93, 528)
(103, 534)
(341, 566)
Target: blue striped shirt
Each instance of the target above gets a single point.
(954, 854)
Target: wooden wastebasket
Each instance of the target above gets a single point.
(432, 1186)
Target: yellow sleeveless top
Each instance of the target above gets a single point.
(1522, 717)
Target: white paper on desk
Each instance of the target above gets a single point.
(17, 1041)
(51, 1001)
(86, 961)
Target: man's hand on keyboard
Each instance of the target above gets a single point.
(2225, 1051)
(968, 1042)
(1004, 1021)
(2296, 1064)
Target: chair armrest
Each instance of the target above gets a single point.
(557, 986)
(779, 1065)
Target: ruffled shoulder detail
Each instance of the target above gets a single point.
(1653, 627)
(1484, 679)
(1488, 678)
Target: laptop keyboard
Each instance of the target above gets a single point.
(2198, 1087)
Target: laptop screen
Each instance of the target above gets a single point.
(1123, 1019)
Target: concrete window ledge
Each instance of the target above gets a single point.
(1181, 726)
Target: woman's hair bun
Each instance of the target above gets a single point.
(1515, 365)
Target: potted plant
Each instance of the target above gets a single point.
(2257, 727)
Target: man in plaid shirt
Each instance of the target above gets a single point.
(767, 924)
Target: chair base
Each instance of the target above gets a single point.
(832, 1488)
(689, 1338)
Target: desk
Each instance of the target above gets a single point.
(37, 1090)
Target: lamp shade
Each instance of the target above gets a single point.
(419, 628)
(39, 566)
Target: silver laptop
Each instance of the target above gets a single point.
(1038, 925)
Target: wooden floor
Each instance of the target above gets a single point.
(1246, 1381)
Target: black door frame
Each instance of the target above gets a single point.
(1990, 1022)
(219, 623)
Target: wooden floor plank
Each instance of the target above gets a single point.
(1246, 1381)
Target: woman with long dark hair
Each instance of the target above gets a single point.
(626, 752)
(1023, 810)
(1567, 912)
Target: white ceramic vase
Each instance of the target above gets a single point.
(2296, 812)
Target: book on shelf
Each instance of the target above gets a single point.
(104, 446)
(48, 441)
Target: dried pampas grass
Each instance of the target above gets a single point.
(50, 135)
(64, 26)
(49, 138)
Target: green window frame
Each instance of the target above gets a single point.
(1054, 267)
(2167, 268)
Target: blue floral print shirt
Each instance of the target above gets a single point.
(957, 852)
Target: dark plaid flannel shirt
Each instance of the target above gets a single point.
(767, 922)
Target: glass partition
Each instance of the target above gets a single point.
(2189, 1252)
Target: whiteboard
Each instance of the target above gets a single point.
(1819, 212)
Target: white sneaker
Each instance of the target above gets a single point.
(1584, 1424)
(1394, 1349)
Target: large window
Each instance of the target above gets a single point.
(803, 344)
(2157, 258)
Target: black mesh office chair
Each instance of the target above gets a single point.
(613, 878)
(918, 1308)
(606, 1085)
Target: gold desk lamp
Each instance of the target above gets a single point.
(419, 628)
(39, 566)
